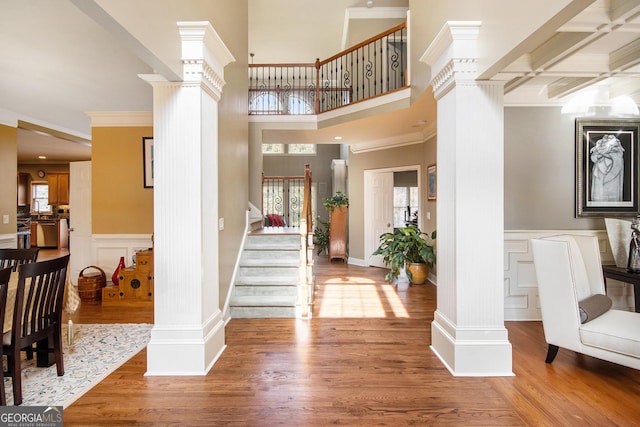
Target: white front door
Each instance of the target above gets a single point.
(80, 218)
(378, 211)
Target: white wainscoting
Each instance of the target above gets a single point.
(108, 248)
(8, 241)
(520, 288)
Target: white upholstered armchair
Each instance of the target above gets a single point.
(569, 274)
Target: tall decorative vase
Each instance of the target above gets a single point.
(115, 278)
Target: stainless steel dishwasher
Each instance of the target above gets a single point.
(47, 234)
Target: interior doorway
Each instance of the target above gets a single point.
(391, 200)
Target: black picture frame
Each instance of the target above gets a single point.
(607, 173)
(147, 161)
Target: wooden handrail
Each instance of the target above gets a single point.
(361, 44)
(333, 86)
(310, 65)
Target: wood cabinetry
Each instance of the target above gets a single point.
(135, 285)
(58, 188)
(338, 233)
(24, 179)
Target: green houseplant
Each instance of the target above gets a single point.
(335, 201)
(321, 234)
(408, 248)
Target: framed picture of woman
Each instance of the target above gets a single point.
(607, 167)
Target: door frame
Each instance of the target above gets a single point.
(370, 246)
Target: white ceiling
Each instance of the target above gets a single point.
(54, 71)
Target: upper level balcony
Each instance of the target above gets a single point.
(373, 68)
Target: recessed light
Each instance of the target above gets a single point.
(337, 138)
(42, 157)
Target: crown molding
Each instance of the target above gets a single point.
(120, 118)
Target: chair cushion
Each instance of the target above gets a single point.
(594, 306)
(615, 330)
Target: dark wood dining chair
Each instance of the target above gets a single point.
(15, 257)
(37, 318)
(5, 275)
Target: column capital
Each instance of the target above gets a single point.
(453, 55)
(204, 55)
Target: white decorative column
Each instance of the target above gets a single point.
(468, 332)
(188, 332)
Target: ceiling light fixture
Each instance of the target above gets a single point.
(337, 138)
(370, 3)
(42, 157)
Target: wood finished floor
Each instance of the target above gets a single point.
(364, 359)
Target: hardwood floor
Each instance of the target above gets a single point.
(363, 359)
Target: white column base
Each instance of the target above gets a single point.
(471, 352)
(183, 351)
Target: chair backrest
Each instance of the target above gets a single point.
(568, 270)
(15, 257)
(39, 295)
(5, 275)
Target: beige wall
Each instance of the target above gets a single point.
(120, 203)
(8, 180)
(233, 138)
(423, 154)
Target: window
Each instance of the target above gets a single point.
(40, 194)
(272, 148)
(295, 149)
(265, 103)
(301, 149)
(405, 206)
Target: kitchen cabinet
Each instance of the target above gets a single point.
(24, 179)
(58, 188)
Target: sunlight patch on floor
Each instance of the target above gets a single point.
(340, 280)
(360, 300)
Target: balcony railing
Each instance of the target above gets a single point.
(372, 68)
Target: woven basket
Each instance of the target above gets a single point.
(90, 285)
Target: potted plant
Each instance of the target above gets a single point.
(321, 234)
(408, 248)
(335, 201)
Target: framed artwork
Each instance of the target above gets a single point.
(147, 161)
(431, 182)
(607, 167)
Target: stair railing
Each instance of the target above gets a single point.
(375, 67)
(305, 296)
(282, 200)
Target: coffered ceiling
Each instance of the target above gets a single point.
(598, 49)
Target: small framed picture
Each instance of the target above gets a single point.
(431, 182)
(607, 167)
(147, 161)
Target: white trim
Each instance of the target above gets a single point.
(120, 118)
(8, 241)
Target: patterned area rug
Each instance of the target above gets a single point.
(97, 350)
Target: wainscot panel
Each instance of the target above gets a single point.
(520, 287)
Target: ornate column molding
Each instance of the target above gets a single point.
(453, 55)
(204, 56)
